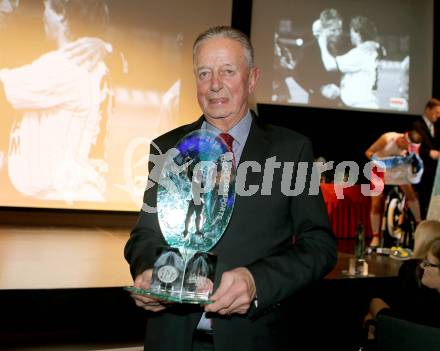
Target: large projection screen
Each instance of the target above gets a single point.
(388, 67)
(76, 135)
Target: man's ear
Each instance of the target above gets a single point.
(254, 75)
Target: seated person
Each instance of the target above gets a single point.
(417, 297)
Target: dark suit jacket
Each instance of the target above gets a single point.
(428, 143)
(259, 237)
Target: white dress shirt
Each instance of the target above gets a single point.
(430, 125)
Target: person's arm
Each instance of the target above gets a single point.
(47, 82)
(376, 306)
(379, 144)
(273, 278)
(434, 154)
(310, 258)
(426, 148)
(88, 51)
(359, 58)
(328, 60)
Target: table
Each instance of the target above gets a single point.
(379, 266)
(345, 214)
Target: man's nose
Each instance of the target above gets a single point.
(216, 83)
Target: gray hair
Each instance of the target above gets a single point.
(230, 33)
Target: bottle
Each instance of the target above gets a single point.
(359, 246)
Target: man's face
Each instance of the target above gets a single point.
(224, 81)
(333, 31)
(433, 114)
(402, 143)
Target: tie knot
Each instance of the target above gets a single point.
(228, 139)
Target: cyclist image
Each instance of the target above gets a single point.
(398, 163)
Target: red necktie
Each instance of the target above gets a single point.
(228, 139)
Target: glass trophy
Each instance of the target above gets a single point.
(195, 199)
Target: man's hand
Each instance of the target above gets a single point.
(87, 52)
(148, 303)
(434, 154)
(371, 328)
(235, 294)
(330, 91)
(376, 305)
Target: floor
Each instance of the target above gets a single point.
(69, 280)
(61, 289)
(80, 347)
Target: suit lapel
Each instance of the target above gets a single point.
(256, 149)
(436, 139)
(256, 142)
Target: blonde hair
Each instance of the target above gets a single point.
(425, 233)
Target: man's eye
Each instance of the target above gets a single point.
(203, 75)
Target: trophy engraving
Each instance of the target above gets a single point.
(195, 199)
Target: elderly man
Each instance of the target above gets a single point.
(259, 265)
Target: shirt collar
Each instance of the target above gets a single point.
(239, 132)
(429, 124)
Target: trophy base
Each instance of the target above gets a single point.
(192, 298)
(182, 275)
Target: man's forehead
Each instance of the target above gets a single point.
(200, 67)
(214, 53)
(220, 43)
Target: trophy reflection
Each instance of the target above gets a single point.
(195, 203)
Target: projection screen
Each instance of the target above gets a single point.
(385, 65)
(85, 87)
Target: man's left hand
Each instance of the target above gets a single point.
(434, 154)
(87, 51)
(235, 294)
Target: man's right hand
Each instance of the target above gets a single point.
(330, 91)
(148, 303)
(87, 51)
(434, 154)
